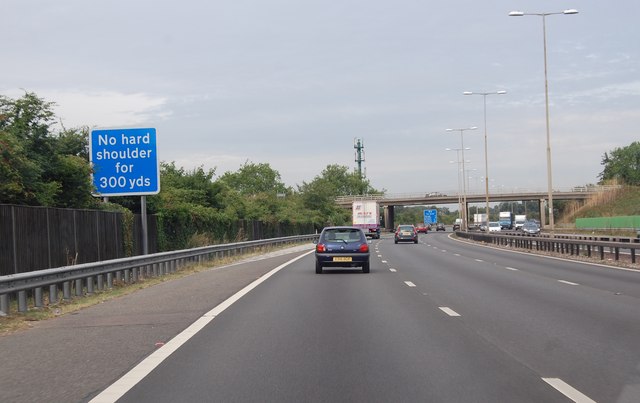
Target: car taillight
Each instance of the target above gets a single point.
(321, 248)
(364, 248)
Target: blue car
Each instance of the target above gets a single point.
(342, 247)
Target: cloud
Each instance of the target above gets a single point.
(102, 109)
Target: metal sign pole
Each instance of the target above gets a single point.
(143, 212)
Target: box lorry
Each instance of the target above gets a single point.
(519, 221)
(366, 215)
(506, 220)
(479, 219)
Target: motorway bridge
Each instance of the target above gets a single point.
(389, 201)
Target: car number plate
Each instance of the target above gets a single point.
(342, 258)
(406, 233)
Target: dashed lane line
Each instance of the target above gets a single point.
(567, 282)
(568, 390)
(449, 311)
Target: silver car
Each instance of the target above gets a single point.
(531, 228)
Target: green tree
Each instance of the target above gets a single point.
(319, 195)
(622, 164)
(252, 179)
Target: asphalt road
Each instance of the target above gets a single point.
(440, 321)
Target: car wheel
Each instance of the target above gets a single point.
(396, 241)
(416, 241)
(318, 268)
(365, 268)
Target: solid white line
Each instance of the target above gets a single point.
(409, 283)
(567, 282)
(449, 311)
(140, 371)
(568, 390)
(393, 270)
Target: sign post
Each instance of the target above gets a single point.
(125, 163)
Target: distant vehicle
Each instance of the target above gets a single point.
(434, 194)
(506, 220)
(531, 228)
(440, 227)
(366, 215)
(519, 221)
(479, 219)
(483, 226)
(422, 228)
(406, 233)
(494, 226)
(342, 247)
(457, 224)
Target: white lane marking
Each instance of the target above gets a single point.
(456, 254)
(443, 250)
(449, 311)
(393, 270)
(379, 255)
(384, 261)
(409, 283)
(511, 268)
(568, 390)
(567, 282)
(479, 260)
(140, 371)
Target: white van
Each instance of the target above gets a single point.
(494, 226)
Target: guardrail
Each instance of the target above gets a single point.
(563, 244)
(88, 278)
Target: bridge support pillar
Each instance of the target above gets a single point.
(543, 218)
(389, 217)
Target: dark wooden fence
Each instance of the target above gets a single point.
(37, 238)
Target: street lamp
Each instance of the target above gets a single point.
(546, 98)
(464, 188)
(486, 158)
(457, 161)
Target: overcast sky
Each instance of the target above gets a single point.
(292, 83)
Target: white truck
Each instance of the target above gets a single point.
(366, 215)
(520, 219)
(479, 219)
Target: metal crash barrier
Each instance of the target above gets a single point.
(85, 279)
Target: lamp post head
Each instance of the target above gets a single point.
(467, 93)
(501, 92)
(516, 14)
(570, 11)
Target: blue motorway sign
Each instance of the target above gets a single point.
(430, 216)
(125, 162)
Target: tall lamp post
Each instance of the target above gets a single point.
(486, 158)
(464, 187)
(546, 99)
(457, 161)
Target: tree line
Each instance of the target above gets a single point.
(44, 166)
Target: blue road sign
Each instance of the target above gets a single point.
(125, 162)
(430, 216)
